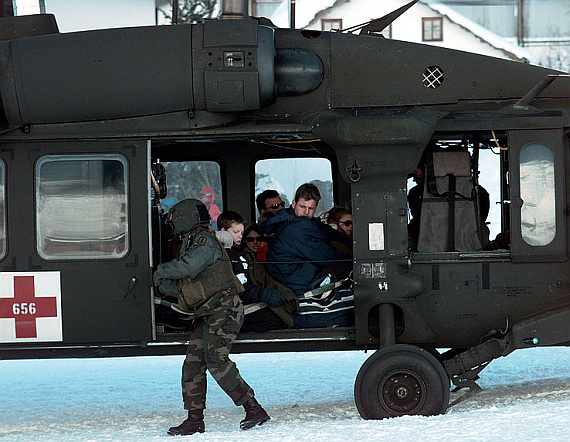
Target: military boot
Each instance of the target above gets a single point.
(254, 415)
(194, 424)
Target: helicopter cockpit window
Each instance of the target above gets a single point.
(538, 216)
(285, 175)
(81, 207)
(194, 179)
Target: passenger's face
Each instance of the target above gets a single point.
(275, 203)
(206, 198)
(345, 225)
(252, 241)
(304, 207)
(236, 230)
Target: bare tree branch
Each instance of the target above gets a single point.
(192, 11)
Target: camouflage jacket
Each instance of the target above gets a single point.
(199, 250)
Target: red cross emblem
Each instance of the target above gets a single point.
(25, 307)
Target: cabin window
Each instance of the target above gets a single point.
(201, 180)
(538, 216)
(328, 24)
(490, 180)
(432, 29)
(3, 210)
(285, 175)
(82, 207)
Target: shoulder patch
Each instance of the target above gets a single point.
(201, 241)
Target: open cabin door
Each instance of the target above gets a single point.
(538, 208)
(75, 268)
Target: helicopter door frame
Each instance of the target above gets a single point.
(538, 200)
(80, 209)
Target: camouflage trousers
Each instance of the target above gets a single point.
(210, 343)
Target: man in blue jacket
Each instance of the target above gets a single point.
(300, 252)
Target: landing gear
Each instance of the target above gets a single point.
(399, 380)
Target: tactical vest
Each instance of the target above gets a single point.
(216, 278)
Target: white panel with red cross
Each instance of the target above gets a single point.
(30, 307)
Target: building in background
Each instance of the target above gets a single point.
(541, 26)
(433, 24)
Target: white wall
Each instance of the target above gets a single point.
(80, 15)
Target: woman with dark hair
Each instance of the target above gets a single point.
(341, 220)
(275, 316)
(255, 241)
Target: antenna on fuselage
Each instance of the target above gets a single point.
(379, 24)
(525, 101)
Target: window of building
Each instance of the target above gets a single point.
(194, 179)
(332, 23)
(82, 207)
(538, 215)
(432, 29)
(285, 175)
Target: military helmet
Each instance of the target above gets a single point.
(187, 214)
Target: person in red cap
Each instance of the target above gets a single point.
(207, 196)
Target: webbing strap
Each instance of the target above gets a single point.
(318, 293)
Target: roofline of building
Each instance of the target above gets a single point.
(510, 54)
(505, 51)
(324, 11)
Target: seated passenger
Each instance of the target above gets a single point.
(257, 287)
(255, 241)
(300, 256)
(232, 222)
(340, 219)
(269, 200)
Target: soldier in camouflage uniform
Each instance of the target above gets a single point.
(217, 322)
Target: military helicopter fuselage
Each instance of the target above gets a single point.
(87, 116)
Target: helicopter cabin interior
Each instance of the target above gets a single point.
(467, 198)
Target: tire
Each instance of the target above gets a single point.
(399, 380)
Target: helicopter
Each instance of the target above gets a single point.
(94, 124)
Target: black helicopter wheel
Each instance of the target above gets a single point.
(399, 380)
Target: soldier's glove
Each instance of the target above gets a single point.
(274, 298)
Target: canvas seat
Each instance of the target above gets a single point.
(450, 219)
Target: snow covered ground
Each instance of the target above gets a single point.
(526, 397)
